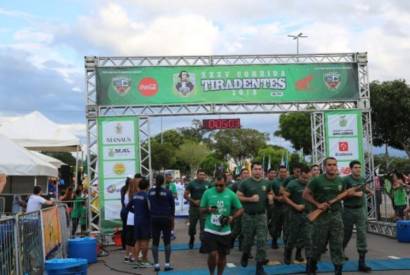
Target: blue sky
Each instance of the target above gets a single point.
(43, 42)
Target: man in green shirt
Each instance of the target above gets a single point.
(253, 193)
(278, 213)
(193, 193)
(329, 225)
(221, 207)
(355, 213)
(271, 176)
(297, 234)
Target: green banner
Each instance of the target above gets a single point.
(119, 157)
(344, 138)
(227, 84)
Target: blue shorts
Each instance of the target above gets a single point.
(142, 232)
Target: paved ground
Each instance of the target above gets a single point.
(379, 248)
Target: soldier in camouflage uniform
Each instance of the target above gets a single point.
(355, 213)
(297, 231)
(329, 225)
(278, 214)
(237, 224)
(193, 193)
(253, 193)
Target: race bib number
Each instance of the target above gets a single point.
(215, 219)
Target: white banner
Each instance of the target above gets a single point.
(118, 132)
(181, 205)
(112, 210)
(342, 125)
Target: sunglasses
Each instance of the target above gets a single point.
(220, 185)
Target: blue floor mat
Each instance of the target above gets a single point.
(184, 246)
(350, 266)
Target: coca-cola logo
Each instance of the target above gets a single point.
(148, 86)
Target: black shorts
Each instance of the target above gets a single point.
(212, 242)
(142, 232)
(129, 235)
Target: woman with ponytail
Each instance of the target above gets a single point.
(162, 210)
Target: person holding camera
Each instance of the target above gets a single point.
(221, 207)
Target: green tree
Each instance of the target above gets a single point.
(193, 154)
(390, 102)
(296, 128)
(163, 156)
(273, 153)
(238, 143)
(172, 137)
(211, 163)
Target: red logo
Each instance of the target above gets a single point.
(148, 86)
(303, 84)
(343, 146)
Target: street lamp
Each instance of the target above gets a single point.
(300, 35)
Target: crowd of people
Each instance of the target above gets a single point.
(308, 210)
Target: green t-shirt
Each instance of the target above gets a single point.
(171, 186)
(225, 201)
(400, 196)
(295, 189)
(324, 189)
(288, 180)
(349, 182)
(197, 188)
(250, 187)
(275, 187)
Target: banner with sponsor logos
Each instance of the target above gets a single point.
(344, 138)
(227, 84)
(118, 148)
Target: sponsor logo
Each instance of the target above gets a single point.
(263, 188)
(304, 84)
(122, 85)
(119, 169)
(332, 80)
(345, 170)
(342, 121)
(111, 188)
(339, 187)
(118, 129)
(118, 151)
(343, 146)
(148, 86)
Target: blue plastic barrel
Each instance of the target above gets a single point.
(403, 231)
(66, 266)
(85, 248)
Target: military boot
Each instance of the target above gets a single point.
(362, 263)
(244, 259)
(287, 256)
(311, 267)
(338, 269)
(259, 269)
(298, 256)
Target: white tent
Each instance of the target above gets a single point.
(53, 161)
(36, 132)
(17, 161)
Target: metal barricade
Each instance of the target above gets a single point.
(8, 244)
(30, 244)
(64, 217)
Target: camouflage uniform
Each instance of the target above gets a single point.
(355, 213)
(329, 225)
(196, 189)
(277, 217)
(254, 223)
(297, 223)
